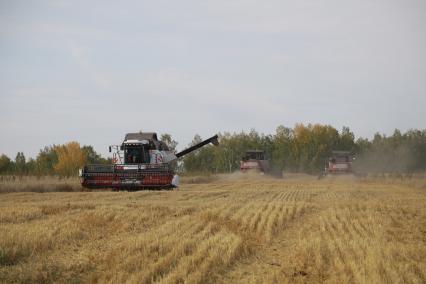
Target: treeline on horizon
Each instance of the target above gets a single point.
(303, 148)
(61, 160)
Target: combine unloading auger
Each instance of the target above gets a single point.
(140, 162)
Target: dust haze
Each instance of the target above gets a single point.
(401, 160)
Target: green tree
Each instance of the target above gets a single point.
(92, 157)
(347, 140)
(31, 167)
(20, 167)
(5, 164)
(281, 152)
(46, 160)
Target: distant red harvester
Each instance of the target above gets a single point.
(254, 160)
(340, 162)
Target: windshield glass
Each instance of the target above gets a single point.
(135, 155)
(254, 156)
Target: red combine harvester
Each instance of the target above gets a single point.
(140, 162)
(254, 160)
(340, 162)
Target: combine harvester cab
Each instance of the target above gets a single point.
(254, 160)
(340, 162)
(140, 162)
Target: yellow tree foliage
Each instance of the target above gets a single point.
(70, 158)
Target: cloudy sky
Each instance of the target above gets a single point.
(93, 70)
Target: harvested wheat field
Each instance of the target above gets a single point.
(230, 230)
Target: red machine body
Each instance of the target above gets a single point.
(254, 160)
(340, 162)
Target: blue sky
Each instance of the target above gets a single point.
(93, 70)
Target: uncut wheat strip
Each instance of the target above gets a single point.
(249, 214)
(356, 250)
(132, 253)
(336, 228)
(275, 196)
(311, 256)
(264, 219)
(57, 231)
(283, 216)
(171, 228)
(222, 209)
(337, 196)
(187, 196)
(359, 222)
(328, 257)
(214, 252)
(293, 211)
(324, 258)
(124, 251)
(291, 195)
(282, 196)
(349, 249)
(302, 196)
(268, 208)
(372, 262)
(342, 264)
(224, 257)
(185, 223)
(303, 208)
(390, 270)
(343, 218)
(244, 197)
(272, 225)
(404, 251)
(244, 211)
(43, 235)
(355, 262)
(303, 255)
(20, 215)
(230, 210)
(333, 228)
(211, 196)
(409, 262)
(184, 245)
(299, 195)
(254, 221)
